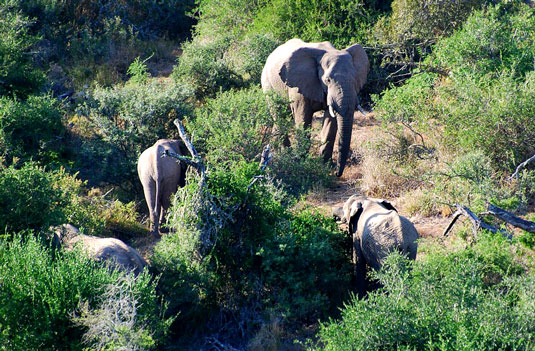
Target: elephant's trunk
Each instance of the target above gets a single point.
(345, 126)
(344, 117)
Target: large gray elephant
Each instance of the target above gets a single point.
(377, 229)
(160, 177)
(316, 76)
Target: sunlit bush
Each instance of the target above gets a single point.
(41, 291)
(473, 297)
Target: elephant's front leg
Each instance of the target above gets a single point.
(328, 136)
(302, 110)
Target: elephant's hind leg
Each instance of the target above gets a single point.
(149, 189)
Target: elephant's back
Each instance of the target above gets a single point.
(380, 235)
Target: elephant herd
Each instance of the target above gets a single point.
(314, 76)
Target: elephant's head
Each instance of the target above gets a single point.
(333, 77)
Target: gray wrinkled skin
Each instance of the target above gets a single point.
(317, 76)
(160, 177)
(110, 250)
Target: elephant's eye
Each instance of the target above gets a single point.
(328, 80)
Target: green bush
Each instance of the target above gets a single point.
(469, 299)
(489, 43)
(40, 292)
(203, 66)
(31, 129)
(235, 249)
(305, 266)
(18, 75)
(342, 22)
(122, 122)
(484, 103)
(236, 125)
(30, 199)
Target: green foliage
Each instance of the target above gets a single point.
(30, 199)
(18, 76)
(416, 20)
(40, 292)
(485, 102)
(138, 71)
(298, 169)
(123, 122)
(30, 129)
(469, 299)
(342, 22)
(305, 266)
(203, 66)
(236, 125)
(234, 248)
(490, 43)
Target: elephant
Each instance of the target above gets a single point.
(114, 251)
(315, 77)
(377, 229)
(160, 177)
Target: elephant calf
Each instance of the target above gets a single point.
(377, 230)
(160, 177)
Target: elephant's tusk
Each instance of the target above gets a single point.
(361, 110)
(331, 111)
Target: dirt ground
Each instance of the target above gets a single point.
(364, 128)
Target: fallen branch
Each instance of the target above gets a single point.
(477, 223)
(510, 218)
(522, 166)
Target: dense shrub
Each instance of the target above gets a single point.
(203, 66)
(236, 125)
(234, 249)
(484, 101)
(31, 129)
(123, 121)
(473, 298)
(342, 22)
(305, 266)
(18, 76)
(40, 293)
(30, 198)
(490, 43)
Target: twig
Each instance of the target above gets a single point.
(510, 218)
(477, 223)
(521, 166)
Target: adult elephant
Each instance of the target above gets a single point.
(160, 177)
(316, 76)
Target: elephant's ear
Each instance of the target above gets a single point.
(354, 215)
(361, 63)
(301, 71)
(387, 205)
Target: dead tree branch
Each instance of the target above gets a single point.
(522, 166)
(477, 223)
(510, 218)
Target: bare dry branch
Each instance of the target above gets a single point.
(477, 223)
(522, 166)
(510, 218)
